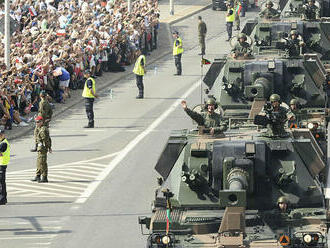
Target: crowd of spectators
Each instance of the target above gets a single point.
(57, 40)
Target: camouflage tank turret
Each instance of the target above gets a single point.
(241, 189)
(293, 9)
(310, 22)
(242, 85)
(272, 37)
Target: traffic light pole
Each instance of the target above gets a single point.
(7, 34)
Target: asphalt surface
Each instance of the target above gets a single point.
(102, 179)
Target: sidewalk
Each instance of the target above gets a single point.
(182, 9)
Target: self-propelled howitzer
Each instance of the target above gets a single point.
(243, 85)
(224, 192)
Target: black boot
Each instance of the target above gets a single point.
(140, 95)
(34, 149)
(90, 125)
(44, 180)
(36, 179)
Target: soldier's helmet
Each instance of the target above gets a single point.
(293, 102)
(274, 98)
(270, 3)
(311, 1)
(294, 32)
(282, 199)
(211, 101)
(241, 36)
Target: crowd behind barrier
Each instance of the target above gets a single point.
(57, 40)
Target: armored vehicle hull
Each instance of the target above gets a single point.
(223, 192)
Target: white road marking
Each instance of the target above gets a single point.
(72, 163)
(29, 237)
(92, 186)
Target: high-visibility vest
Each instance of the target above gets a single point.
(138, 68)
(5, 156)
(176, 49)
(230, 18)
(87, 92)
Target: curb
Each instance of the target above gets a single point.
(190, 14)
(19, 134)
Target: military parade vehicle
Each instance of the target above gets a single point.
(243, 85)
(272, 37)
(273, 33)
(239, 189)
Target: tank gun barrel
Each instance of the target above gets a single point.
(237, 180)
(261, 88)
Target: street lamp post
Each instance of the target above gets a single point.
(171, 7)
(7, 34)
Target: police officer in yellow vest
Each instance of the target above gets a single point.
(89, 94)
(4, 161)
(177, 52)
(139, 70)
(230, 18)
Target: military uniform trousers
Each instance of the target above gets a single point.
(89, 102)
(139, 84)
(229, 26)
(42, 168)
(3, 189)
(178, 65)
(237, 21)
(201, 39)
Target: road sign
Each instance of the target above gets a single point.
(284, 240)
(13, 25)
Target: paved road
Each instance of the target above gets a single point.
(102, 179)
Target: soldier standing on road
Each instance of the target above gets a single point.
(202, 30)
(209, 119)
(139, 71)
(89, 93)
(311, 11)
(44, 110)
(230, 18)
(44, 146)
(237, 3)
(244, 7)
(269, 12)
(4, 161)
(177, 52)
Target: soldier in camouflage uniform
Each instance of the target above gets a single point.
(209, 119)
(237, 20)
(242, 48)
(294, 44)
(269, 12)
(298, 114)
(277, 117)
(202, 30)
(44, 146)
(44, 110)
(311, 11)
